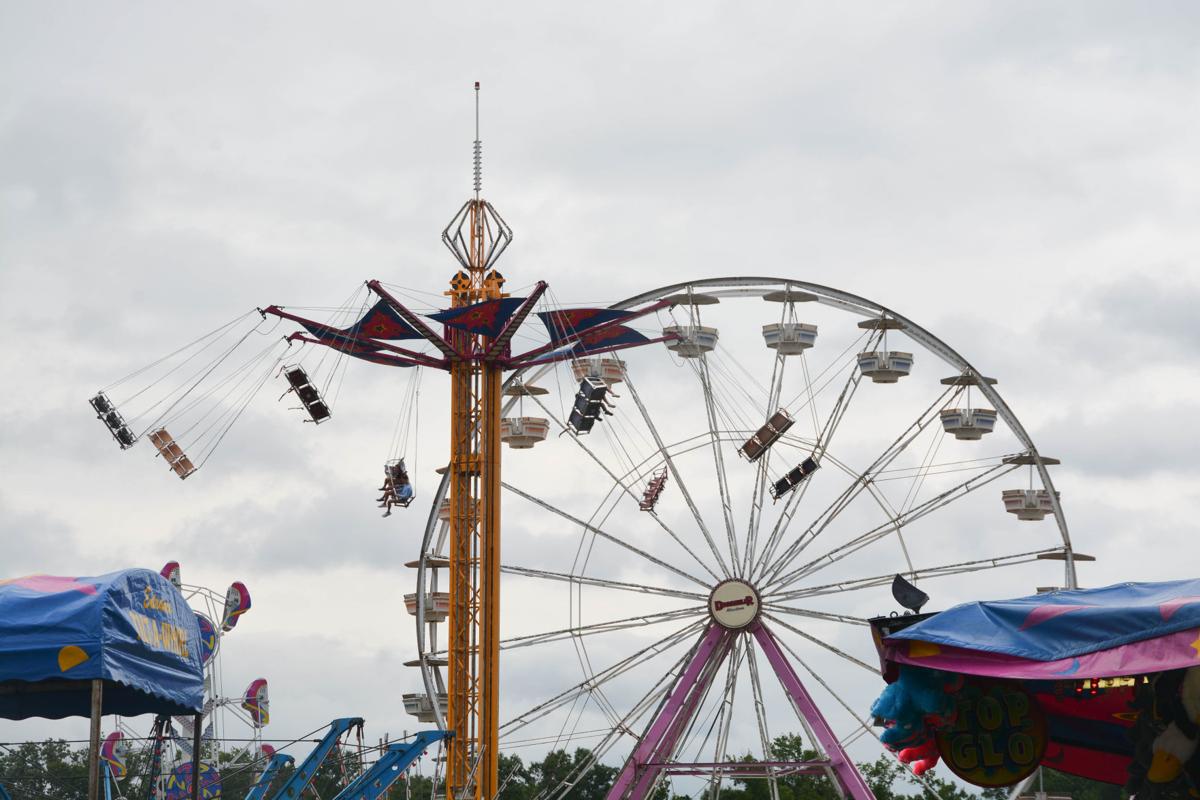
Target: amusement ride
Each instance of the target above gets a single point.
(717, 481)
(231, 725)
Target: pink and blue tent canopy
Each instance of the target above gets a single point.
(1124, 629)
(1053, 644)
(131, 629)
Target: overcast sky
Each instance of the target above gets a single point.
(1020, 178)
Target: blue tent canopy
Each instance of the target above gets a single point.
(1066, 623)
(131, 629)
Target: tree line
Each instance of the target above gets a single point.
(57, 770)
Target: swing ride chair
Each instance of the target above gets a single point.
(591, 401)
(172, 453)
(729, 573)
(112, 419)
(397, 488)
(306, 393)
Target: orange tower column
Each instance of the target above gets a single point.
(477, 236)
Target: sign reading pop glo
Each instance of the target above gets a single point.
(999, 734)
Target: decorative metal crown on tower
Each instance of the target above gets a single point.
(492, 231)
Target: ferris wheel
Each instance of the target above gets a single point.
(697, 533)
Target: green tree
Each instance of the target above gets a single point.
(51, 769)
(56, 770)
(516, 781)
(559, 766)
(1060, 783)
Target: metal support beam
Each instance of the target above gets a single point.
(259, 790)
(439, 342)
(373, 783)
(94, 740)
(531, 357)
(341, 340)
(293, 788)
(658, 743)
(849, 782)
(498, 345)
(197, 758)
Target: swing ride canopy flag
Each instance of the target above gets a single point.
(132, 629)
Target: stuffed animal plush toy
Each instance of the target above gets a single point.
(1165, 764)
(1176, 745)
(911, 708)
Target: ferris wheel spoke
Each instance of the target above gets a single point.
(924, 573)
(827, 616)
(762, 473)
(820, 643)
(625, 487)
(862, 482)
(718, 453)
(599, 679)
(861, 722)
(913, 514)
(603, 535)
(628, 623)
(725, 716)
(687, 495)
(760, 718)
(604, 583)
(824, 437)
(623, 726)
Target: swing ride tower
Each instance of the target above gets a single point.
(475, 350)
(477, 236)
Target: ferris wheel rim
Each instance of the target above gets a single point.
(853, 303)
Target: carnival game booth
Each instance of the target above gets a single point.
(1100, 683)
(123, 643)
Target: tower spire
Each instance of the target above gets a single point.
(477, 235)
(478, 147)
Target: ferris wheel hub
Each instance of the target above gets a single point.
(734, 604)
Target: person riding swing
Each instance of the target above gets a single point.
(397, 488)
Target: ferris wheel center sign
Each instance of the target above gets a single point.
(733, 604)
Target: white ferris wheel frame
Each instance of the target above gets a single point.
(428, 662)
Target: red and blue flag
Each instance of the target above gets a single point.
(606, 338)
(485, 319)
(383, 322)
(566, 322)
(338, 340)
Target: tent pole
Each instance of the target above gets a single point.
(196, 757)
(94, 742)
